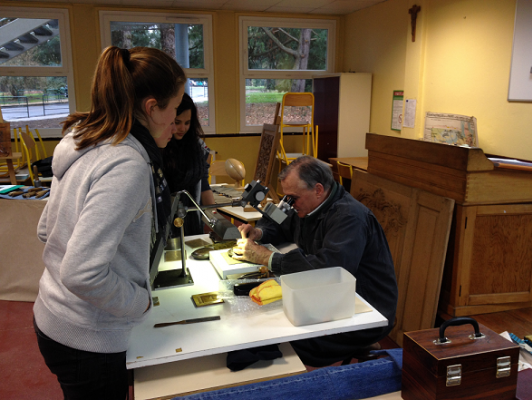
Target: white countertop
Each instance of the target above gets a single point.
(243, 324)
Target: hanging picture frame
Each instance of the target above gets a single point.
(520, 87)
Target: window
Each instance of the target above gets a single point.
(188, 38)
(36, 79)
(280, 55)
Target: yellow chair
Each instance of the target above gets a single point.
(30, 152)
(39, 155)
(345, 171)
(310, 132)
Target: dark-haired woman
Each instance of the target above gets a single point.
(185, 163)
(108, 195)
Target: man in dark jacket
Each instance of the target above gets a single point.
(331, 229)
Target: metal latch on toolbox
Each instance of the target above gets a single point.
(504, 366)
(454, 375)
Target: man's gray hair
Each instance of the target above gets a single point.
(311, 171)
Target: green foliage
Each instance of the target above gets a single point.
(283, 85)
(31, 86)
(146, 35)
(150, 35)
(195, 40)
(48, 53)
(318, 50)
(266, 53)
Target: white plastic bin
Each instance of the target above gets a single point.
(319, 295)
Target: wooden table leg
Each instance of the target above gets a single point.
(11, 171)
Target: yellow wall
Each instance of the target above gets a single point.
(375, 42)
(459, 63)
(226, 72)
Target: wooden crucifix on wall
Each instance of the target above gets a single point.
(413, 17)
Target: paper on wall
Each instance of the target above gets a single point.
(410, 113)
(451, 129)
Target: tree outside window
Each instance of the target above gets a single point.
(282, 56)
(183, 42)
(187, 39)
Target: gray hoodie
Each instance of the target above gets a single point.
(96, 228)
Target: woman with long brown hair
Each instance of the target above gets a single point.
(108, 195)
(185, 164)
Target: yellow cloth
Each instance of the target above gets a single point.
(267, 292)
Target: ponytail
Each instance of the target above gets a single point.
(122, 80)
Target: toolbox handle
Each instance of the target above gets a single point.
(457, 322)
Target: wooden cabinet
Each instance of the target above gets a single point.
(342, 109)
(416, 224)
(488, 266)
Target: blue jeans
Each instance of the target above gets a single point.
(83, 374)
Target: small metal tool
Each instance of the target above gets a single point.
(187, 321)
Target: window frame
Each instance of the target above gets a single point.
(66, 69)
(177, 18)
(246, 73)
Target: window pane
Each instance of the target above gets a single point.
(39, 102)
(29, 42)
(263, 94)
(198, 89)
(182, 41)
(287, 48)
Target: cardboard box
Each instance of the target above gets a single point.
(319, 295)
(465, 367)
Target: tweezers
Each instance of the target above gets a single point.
(187, 321)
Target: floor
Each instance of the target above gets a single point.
(25, 376)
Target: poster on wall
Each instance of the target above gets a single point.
(520, 88)
(459, 130)
(397, 109)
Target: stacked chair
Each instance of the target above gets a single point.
(309, 145)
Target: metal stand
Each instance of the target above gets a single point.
(175, 277)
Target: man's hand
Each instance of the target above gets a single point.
(249, 232)
(248, 250)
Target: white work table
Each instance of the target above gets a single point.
(237, 329)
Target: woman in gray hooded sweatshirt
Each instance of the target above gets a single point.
(108, 195)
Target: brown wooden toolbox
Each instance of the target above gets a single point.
(472, 362)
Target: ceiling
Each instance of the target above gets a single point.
(327, 7)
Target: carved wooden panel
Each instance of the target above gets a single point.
(263, 161)
(269, 140)
(416, 224)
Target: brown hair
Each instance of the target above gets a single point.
(122, 80)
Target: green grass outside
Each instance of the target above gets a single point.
(269, 97)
